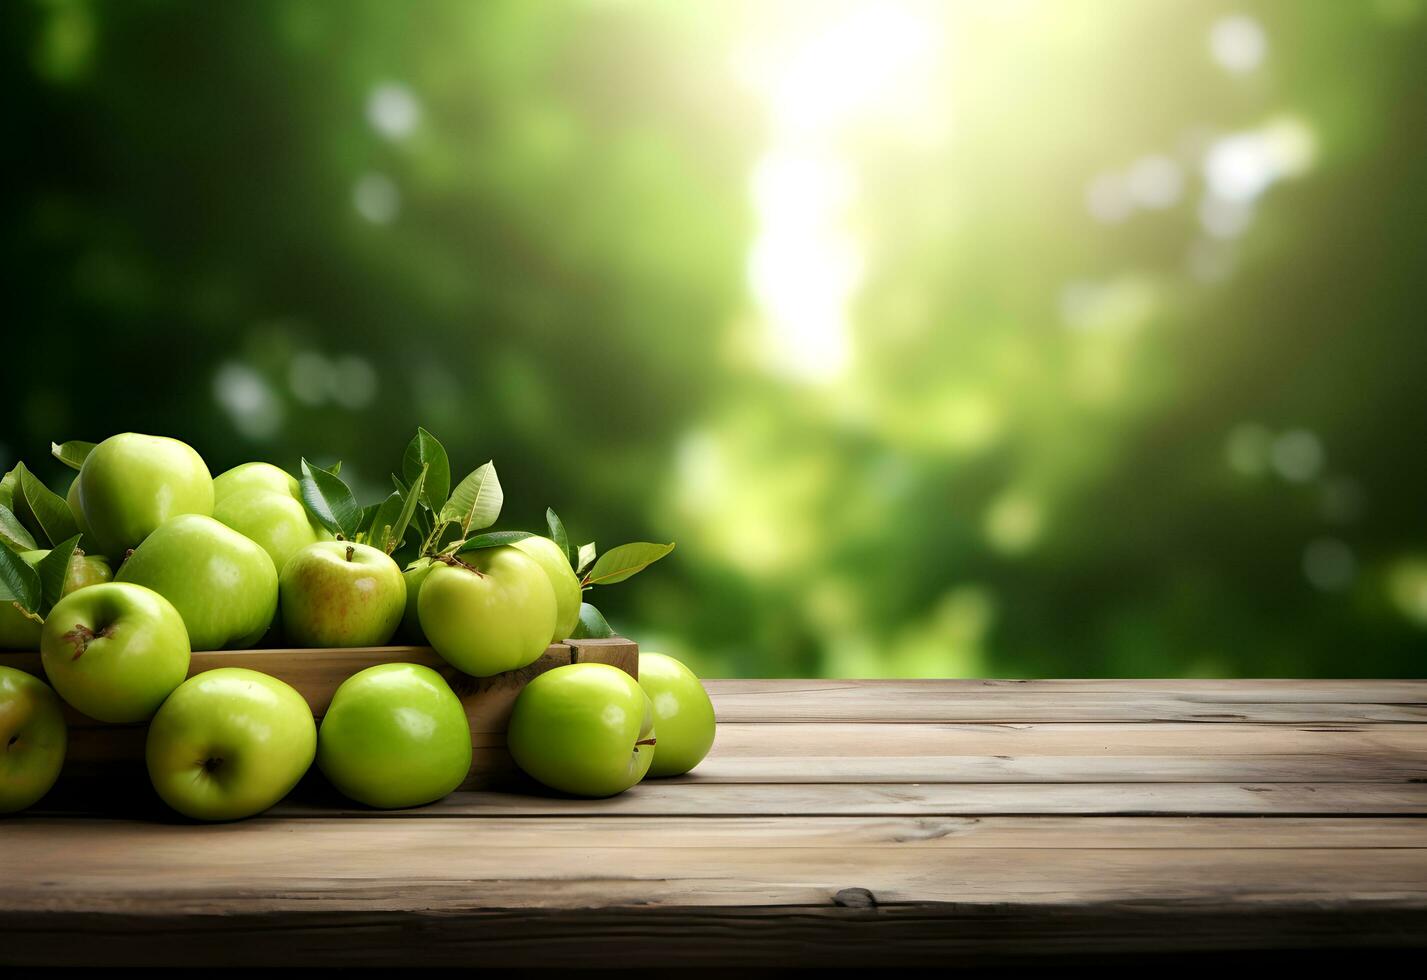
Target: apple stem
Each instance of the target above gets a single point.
(81, 636)
(350, 552)
(645, 741)
(455, 562)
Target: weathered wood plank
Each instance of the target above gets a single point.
(1010, 702)
(872, 739)
(883, 753)
(694, 796)
(932, 833)
(1258, 689)
(458, 864)
(1064, 769)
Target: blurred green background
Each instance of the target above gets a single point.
(1059, 338)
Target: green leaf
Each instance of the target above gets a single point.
(618, 564)
(72, 453)
(403, 520)
(476, 502)
(52, 569)
(493, 539)
(401, 485)
(49, 515)
(9, 485)
(382, 520)
(335, 469)
(426, 451)
(19, 582)
(369, 513)
(330, 501)
(13, 534)
(592, 625)
(585, 558)
(558, 535)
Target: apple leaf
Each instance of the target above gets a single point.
(425, 450)
(369, 513)
(72, 453)
(408, 510)
(585, 558)
(51, 520)
(335, 469)
(618, 564)
(8, 485)
(382, 520)
(19, 582)
(14, 534)
(476, 501)
(52, 569)
(330, 501)
(558, 535)
(493, 539)
(592, 625)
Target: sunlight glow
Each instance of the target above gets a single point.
(805, 265)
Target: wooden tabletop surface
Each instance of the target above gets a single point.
(835, 822)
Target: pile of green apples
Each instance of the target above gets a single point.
(150, 557)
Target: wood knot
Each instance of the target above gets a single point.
(855, 898)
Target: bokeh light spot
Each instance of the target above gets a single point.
(252, 405)
(1014, 522)
(1329, 564)
(393, 111)
(376, 198)
(1156, 182)
(1247, 449)
(1297, 455)
(1407, 587)
(1238, 43)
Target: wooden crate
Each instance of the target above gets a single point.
(317, 673)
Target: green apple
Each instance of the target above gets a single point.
(17, 630)
(683, 714)
(586, 729)
(83, 569)
(229, 743)
(114, 651)
(20, 632)
(493, 611)
(130, 484)
(223, 584)
(414, 575)
(340, 594)
(72, 498)
(395, 735)
(33, 733)
(261, 502)
(255, 476)
(548, 556)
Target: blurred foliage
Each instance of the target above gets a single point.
(1023, 338)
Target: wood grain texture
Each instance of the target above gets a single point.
(453, 864)
(834, 823)
(692, 796)
(1012, 702)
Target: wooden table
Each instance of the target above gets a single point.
(835, 823)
